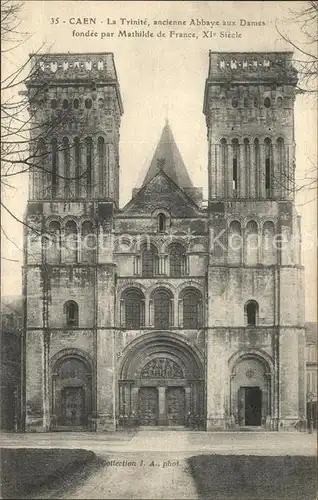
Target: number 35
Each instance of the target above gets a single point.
(55, 20)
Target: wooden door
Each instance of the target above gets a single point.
(73, 406)
(253, 406)
(148, 405)
(175, 404)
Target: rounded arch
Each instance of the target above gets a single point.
(251, 312)
(149, 259)
(87, 227)
(163, 284)
(151, 344)
(71, 352)
(132, 284)
(190, 284)
(70, 225)
(177, 259)
(54, 225)
(132, 313)
(258, 354)
(162, 310)
(251, 224)
(132, 289)
(235, 242)
(191, 314)
(188, 288)
(71, 313)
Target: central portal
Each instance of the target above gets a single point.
(161, 383)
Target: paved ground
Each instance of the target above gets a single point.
(184, 442)
(146, 465)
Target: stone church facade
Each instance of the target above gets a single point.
(168, 311)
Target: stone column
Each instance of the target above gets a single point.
(216, 186)
(242, 169)
(150, 313)
(46, 382)
(162, 418)
(277, 174)
(213, 159)
(134, 399)
(261, 172)
(180, 313)
(187, 391)
(105, 348)
(229, 172)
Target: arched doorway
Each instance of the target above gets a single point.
(71, 392)
(251, 392)
(161, 381)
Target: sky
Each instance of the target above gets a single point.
(162, 77)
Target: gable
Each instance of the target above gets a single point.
(162, 192)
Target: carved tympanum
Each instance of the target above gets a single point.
(161, 368)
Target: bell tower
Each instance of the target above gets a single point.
(75, 107)
(69, 273)
(254, 257)
(249, 103)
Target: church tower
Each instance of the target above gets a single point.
(75, 112)
(255, 337)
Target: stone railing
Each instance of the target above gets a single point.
(96, 66)
(251, 63)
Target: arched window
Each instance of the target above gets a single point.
(55, 176)
(88, 103)
(268, 167)
(101, 165)
(89, 164)
(70, 243)
(71, 313)
(234, 102)
(257, 163)
(268, 244)
(285, 181)
(53, 103)
(100, 103)
(161, 223)
(40, 174)
(65, 104)
(247, 167)
(235, 151)
(162, 304)
(192, 309)
(251, 313)
(149, 260)
(66, 160)
(134, 308)
(252, 243)
(267, 102)
(235, 244)
(89, 242)
(53, 245)
(224, 157)
(177, 261)
(76, 103)
(77, 158)
(245, 102)
(279, 102)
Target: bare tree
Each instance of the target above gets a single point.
(300, 32)
(304, 42)
(24, 125)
